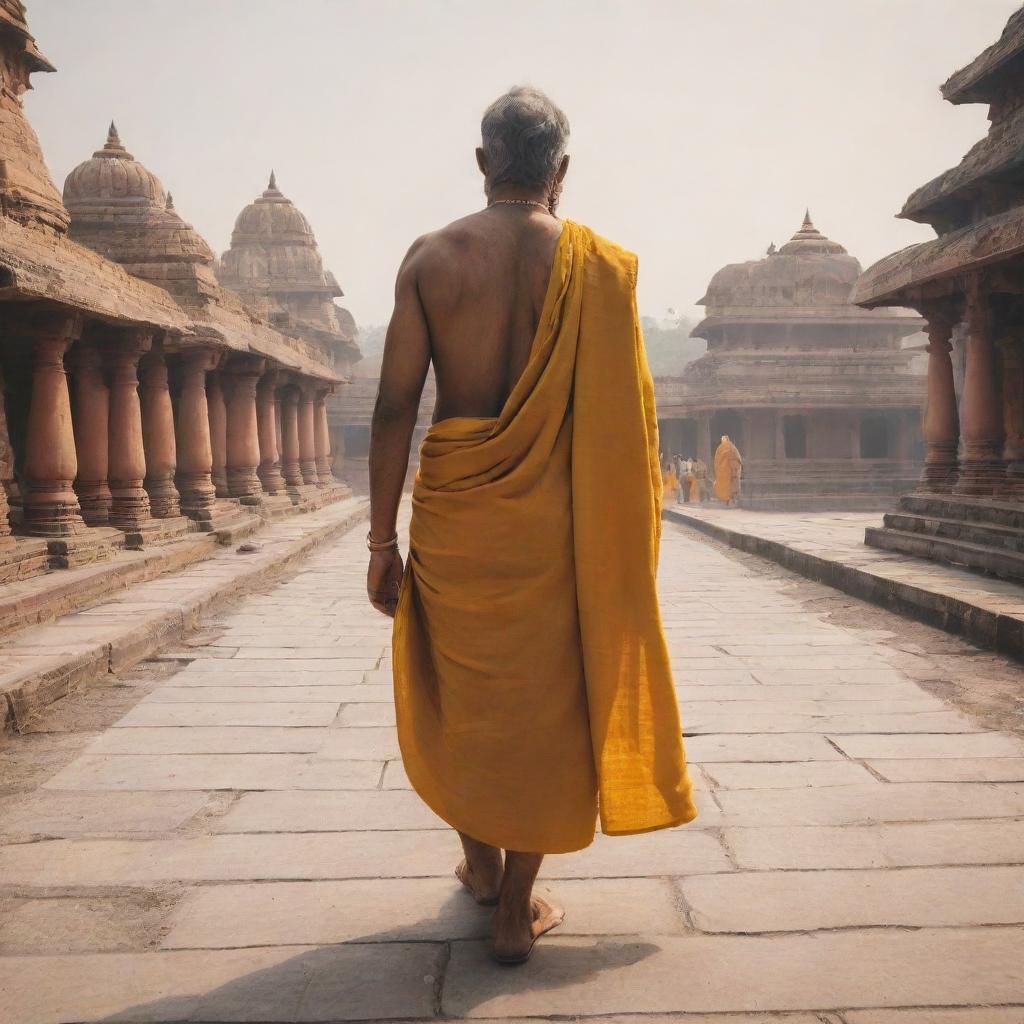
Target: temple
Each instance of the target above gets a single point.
(968, 284)
(275, 265)
(141, 401)
(822, 397)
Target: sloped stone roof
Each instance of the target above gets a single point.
(978, 81)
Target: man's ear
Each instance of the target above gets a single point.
(481, 161)
(563, 167)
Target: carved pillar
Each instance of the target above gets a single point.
(195, 449)
(158, 436)
(277, 422)
(307, 433)
(1011, 351)
(941, 423)
(704, 438)
(51, 465)
(129, 509)
(6, 465)
(218, 433)
(266, 419)
(322, 437)
(91, 419)
(243, 444)
(981, 422)
(290, 468)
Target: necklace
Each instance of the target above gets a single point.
(517, 202)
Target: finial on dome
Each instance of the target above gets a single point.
(807, 220)
(170, 202)
(272, 184)
(771, 249)
(113, 139)
(112, 148)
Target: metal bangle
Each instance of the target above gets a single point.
(381, 545)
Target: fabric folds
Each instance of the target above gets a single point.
(532, 680)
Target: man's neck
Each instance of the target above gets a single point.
(521, 193)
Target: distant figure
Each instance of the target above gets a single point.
(693, 483)
(532, 681)
(682, 471)
(728, 471)
(670, 483)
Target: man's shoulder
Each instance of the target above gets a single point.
(615, 257)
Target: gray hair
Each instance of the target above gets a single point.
(524, 138)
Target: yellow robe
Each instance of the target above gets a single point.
(727, 471)
(532, 679)
(671, 484)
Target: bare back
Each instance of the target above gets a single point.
(481, 283)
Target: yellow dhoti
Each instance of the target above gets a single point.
(532, 681)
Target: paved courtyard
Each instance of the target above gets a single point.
(240, 844)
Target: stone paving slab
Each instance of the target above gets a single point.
(951, 769)
(788, 776)
(317, 811)
(215, 771)
(913, 844)
(283, 913)
(209, 740)
(988, 744)
(770, 901)
(231, 713)
(729, 973)
(48, 813)
(335, 983)
(247, 694)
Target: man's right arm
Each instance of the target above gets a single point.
(403, 372)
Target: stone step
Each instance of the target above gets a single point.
(999, 562)
(988, 535)
(997, 512)
(798, 502)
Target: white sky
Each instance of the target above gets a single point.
(701, 128)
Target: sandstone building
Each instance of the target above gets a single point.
(140, 400)
(820, 395)
(275, 265)
(968, 284)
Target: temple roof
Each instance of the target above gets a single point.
(982, 80)
(112, 174)
(810, 272)
(12, 14)
(272, 219)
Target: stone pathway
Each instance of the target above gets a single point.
(242, 845)
(829, 546)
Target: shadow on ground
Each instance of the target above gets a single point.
(396, 973)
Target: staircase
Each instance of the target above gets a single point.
(980, 534)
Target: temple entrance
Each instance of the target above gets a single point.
(794, 435)
(874, 437)
(727, 421)
(357, 441)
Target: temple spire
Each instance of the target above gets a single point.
(113, 139)
(170, 202)
(272, 184)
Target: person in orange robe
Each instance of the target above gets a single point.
(728, 471)
(670, 484)
(533, 688)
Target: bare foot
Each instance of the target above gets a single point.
(514, 938)
(484, 891)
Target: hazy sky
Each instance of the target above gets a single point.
(700, 128)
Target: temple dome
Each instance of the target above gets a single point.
(809, 270)
(112, 174)
(272, 219)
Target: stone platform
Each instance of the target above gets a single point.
(829, 547)
(41, 663)
(234, 839)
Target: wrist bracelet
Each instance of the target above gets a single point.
(381, 545)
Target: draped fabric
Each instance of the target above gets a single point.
(728, 466)
(532, 681)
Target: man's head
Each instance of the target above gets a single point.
(524, 136)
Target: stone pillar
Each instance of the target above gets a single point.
(195, 449)
(267, 428)
(243, 444)
(6, 465)
(307, 433)
(277, 422)
(51, 465)
(1011, 351)
(158, 436)
(91, 425)
(941, 423)
(704, 439)
(981, 421)
(127, 454)
(290, 468)
(780, 435)
(218, 433)
(322, 437)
